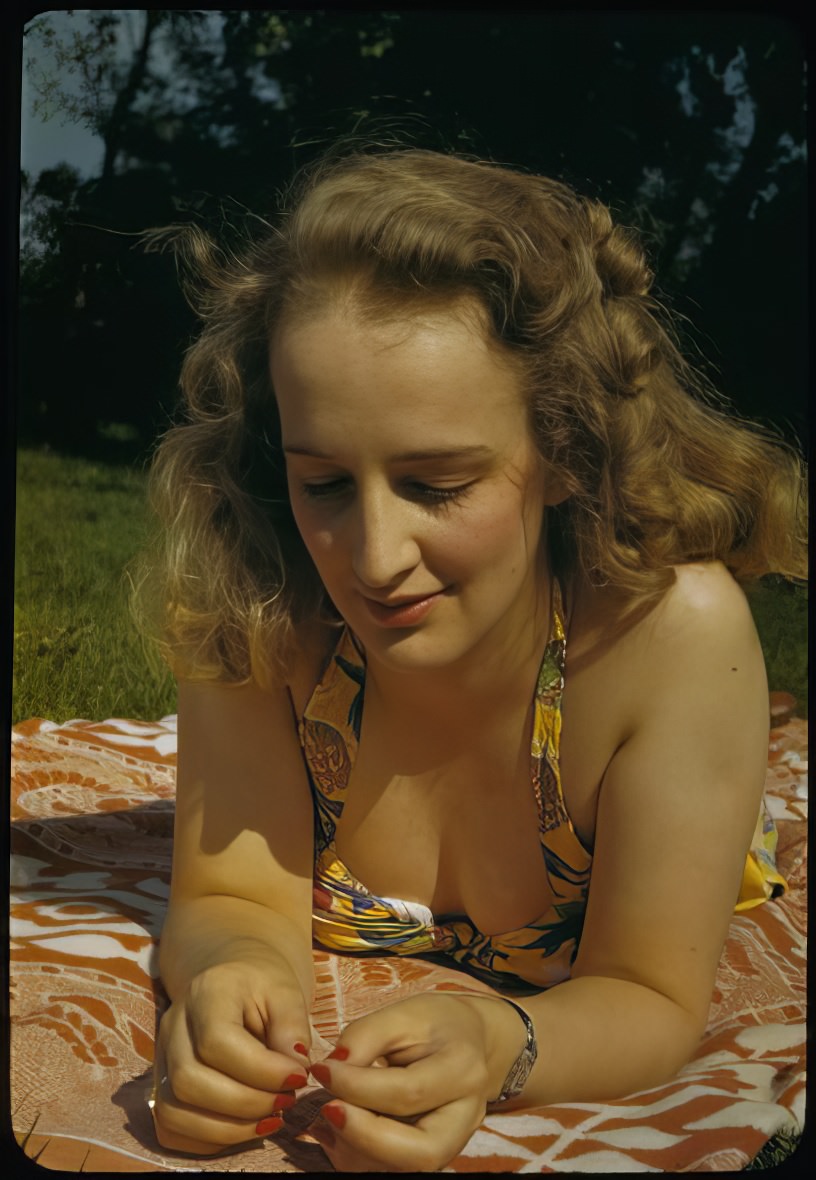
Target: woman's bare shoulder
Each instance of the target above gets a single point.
(703, 587)
(700, 641)
(703, 614)
(693, 637)
(702, 598)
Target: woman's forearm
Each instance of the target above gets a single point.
(204, 931)
(599, 1039)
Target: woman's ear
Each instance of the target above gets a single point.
(556, 486)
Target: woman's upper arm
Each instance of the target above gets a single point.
(679, 801)
(244, 820)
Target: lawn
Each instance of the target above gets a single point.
(77, 652)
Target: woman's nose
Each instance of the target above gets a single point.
(384, 546)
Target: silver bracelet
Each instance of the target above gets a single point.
(521, 1068)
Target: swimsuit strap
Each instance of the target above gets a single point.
(546, 739)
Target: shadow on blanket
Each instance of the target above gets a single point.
(92, 805)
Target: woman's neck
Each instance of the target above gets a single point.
(496, 674)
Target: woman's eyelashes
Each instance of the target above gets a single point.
(434, 495)
(325, 489)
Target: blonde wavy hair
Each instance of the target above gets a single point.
(658, 474)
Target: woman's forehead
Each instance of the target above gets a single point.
(431, 382)
(437, 349)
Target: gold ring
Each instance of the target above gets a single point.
(154, 1093)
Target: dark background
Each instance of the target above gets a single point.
(691, 125)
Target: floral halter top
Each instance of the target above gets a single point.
(347, 917)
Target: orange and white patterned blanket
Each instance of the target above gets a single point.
(92, 804)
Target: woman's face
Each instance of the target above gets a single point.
(414, 482)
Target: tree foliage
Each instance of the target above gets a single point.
(690, 125)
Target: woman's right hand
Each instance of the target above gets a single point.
(229, 1054)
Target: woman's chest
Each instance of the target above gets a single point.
(463, 833)
(461, 837)
(454, 815)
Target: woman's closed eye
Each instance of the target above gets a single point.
(325, 489)
(437, 495)
(432, 494)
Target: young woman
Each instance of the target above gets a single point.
(450, 583)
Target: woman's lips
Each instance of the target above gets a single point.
(405, 613)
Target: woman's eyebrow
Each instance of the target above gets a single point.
(477, 451)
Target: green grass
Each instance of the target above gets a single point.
(77, 651)
(779, 1148)
(780, 611)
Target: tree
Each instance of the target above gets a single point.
(692, 126)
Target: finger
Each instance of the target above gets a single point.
(396, 1090)
(408, 1030)
(224, 1043)
(197, 1085)
(286, 1025)
(431, 1059)
(184, 1127)
(392, 1033)
(185, 1145)
(177, 1124)
(360, 1140)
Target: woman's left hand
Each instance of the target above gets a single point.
(412, 1081)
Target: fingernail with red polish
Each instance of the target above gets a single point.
(283, 1102)
(294, 1082)
(269, 1125)
(336, 1115)
(321, 1072)
(300, 1049)
(338, 1054)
